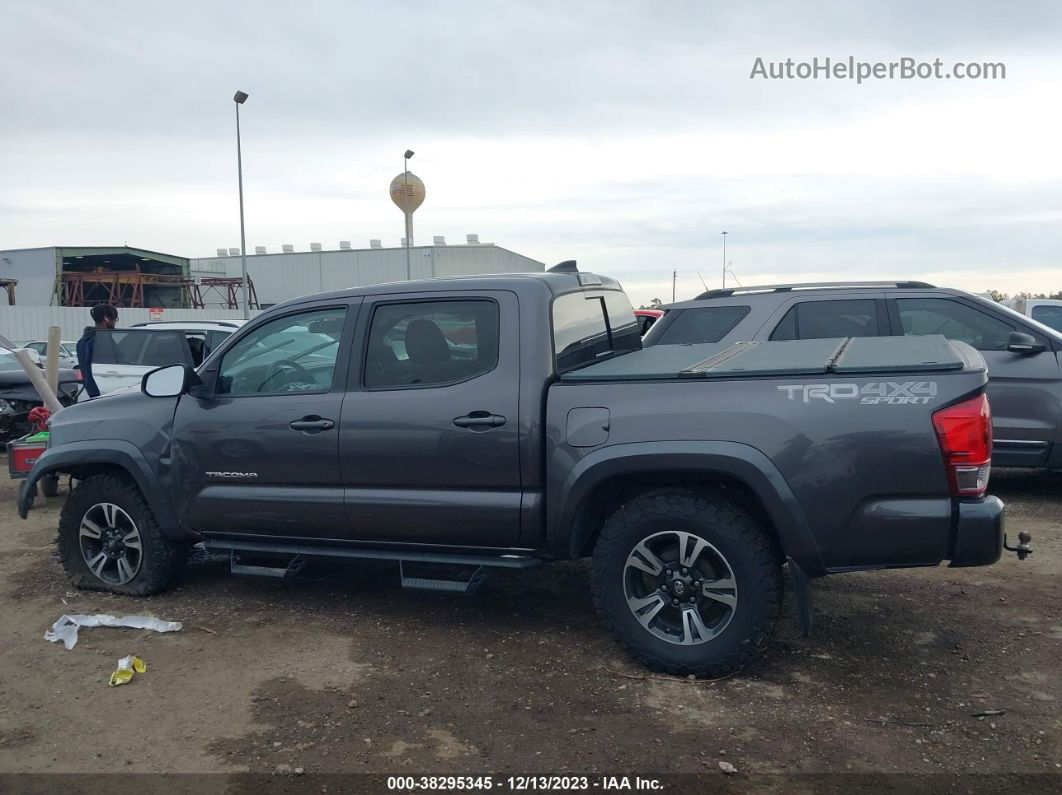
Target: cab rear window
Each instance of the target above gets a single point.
(588, 327)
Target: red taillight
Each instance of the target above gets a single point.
(965, 433)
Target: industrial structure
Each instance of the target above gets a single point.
(149, 281)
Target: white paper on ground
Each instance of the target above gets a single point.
(65, 629)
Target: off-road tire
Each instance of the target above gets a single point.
(740, 538)
(162, 559)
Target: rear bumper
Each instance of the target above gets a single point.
(978, 532)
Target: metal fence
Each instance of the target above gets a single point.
(26, 323)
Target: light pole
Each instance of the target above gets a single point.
(724, 260)
(409, 219)
(239, 98)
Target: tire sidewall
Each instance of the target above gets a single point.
(754, 599)
(157, 565)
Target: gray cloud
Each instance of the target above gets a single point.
(626, 133)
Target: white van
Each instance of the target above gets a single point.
(1045, 310)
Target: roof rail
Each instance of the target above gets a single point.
(568, 266)
(784, 288)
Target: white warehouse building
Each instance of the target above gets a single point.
(37, 286)
(278, 277)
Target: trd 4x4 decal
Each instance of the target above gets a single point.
(891, 393)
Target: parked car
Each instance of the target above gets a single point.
(123, 356)
(647, 317)
(1043, 310)
(342, 425)
(67, 352)
(1023, 356)
(18, 396)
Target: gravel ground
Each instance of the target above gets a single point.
(927, 671)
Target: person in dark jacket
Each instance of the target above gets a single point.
(104, 316)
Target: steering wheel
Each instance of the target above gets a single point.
(298, 368)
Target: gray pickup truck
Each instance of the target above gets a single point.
(503, 421)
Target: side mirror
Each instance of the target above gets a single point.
(169, 381)
(1019, 342)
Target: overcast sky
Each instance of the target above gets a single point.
(626, 135)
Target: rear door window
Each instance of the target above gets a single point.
(140, 348)
(812, 320)
(431, 343)
(702, 324)
(954, 320)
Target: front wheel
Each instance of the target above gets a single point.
(688, 582)
(109, 540)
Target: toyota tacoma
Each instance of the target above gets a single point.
(457, 425)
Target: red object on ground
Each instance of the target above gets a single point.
(39, 417)
(22, 456)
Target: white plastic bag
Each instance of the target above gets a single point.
(65, 629)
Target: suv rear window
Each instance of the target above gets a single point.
(589, 326)
(702, 324)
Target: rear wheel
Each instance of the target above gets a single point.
(687, 581)
(109, 540)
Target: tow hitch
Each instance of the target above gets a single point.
(1023, 549)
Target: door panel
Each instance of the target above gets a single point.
(258, 453)
(429, 438)
(1025, 390)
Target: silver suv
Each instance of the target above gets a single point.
(1024, 357)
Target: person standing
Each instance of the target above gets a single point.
(104, 316)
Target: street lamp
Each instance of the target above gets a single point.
(724, 260)
(409, 221)
(239, 98)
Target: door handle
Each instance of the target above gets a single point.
(311, 424)
(480, 421)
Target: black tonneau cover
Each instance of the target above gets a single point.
(847, 355)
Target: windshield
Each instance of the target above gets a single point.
(8, 361)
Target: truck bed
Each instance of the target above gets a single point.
(845, 355)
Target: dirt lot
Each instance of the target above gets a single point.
(343, 672)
